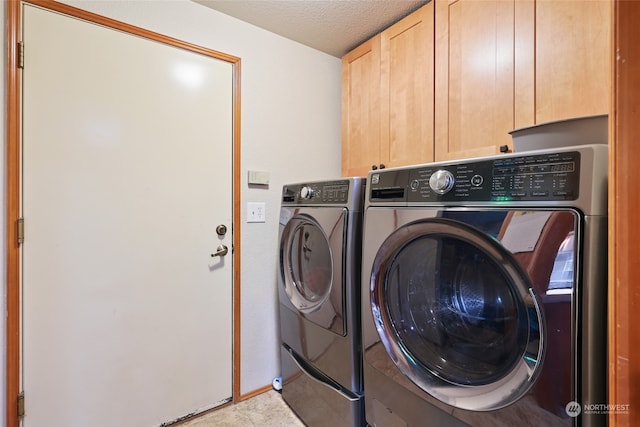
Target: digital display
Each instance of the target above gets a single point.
(535, 169)
(563, 167)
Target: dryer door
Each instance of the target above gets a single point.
(457, 314)
(311, 254)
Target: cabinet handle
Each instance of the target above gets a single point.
(374, 167)
(382, 166)
(504, 148)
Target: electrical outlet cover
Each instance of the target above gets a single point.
(256, 212)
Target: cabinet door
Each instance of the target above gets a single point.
(573, 57)
(361, 108)
(406, 90)
(475, 76)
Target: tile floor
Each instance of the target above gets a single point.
(266, 409)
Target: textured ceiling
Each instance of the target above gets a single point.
(331, 26)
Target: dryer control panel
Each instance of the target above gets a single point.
(532, 177)
(316, 193)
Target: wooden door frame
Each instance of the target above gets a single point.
(624, 205)
(13, 172)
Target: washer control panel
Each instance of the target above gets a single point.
(327, 192)
(537, 177)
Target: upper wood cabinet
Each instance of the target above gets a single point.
(452, 82)
(507, 64)
(573, 57)
(361, 108)
(407, 88)
(476, 84)
(400, 119)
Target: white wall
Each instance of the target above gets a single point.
(290, 127)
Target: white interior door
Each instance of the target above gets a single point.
(127, 171)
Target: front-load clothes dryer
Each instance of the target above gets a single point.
(319, 293)
(484, 291)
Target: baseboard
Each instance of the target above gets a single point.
(255, 393)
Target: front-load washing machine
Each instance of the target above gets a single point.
(484, 291)
(319, 293)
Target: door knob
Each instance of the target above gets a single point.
(220, 251)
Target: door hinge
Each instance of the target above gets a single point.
(21, 404)
(20, 231)
(20, 54)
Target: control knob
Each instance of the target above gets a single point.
(307, 192)
(441, 181)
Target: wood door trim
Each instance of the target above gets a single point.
(13, 83)
(12, 135)
(624, 202)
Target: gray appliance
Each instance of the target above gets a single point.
(319, 293)
(484, 291)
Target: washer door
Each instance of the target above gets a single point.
(456, 314)
(311, 266)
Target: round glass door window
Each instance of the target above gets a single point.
(307, 264)
(456, 314)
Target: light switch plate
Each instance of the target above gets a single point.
(257, 178)
(256, 212)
